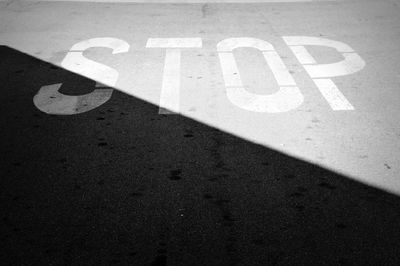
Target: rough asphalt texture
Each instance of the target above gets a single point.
(123, 185)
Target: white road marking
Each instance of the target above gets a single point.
(302, 55)
(77, 63)
(352, 63)
(51, 101)
(174, 43)
(170, 90)
(117, 45)
(310, 40)
(228, 45)
(333, 95)
(288, 96)
(278, 68)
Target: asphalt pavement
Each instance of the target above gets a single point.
(200, 132)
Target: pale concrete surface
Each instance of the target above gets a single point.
(361, 145)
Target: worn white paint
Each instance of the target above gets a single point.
(174, 43)
(230, 44)
(333, 95)
(77, 63)
(352, 63)
(302, 55)
(318, 41)
(278, 68)
(170, 90)
(287, 98)
(51, 101)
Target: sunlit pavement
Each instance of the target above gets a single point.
(200, 133)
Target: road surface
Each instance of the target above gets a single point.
(200, 132)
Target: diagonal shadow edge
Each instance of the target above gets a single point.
(230, 178)
(377, 184)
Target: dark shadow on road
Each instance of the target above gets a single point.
(124, 185)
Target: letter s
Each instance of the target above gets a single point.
(51, 101)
